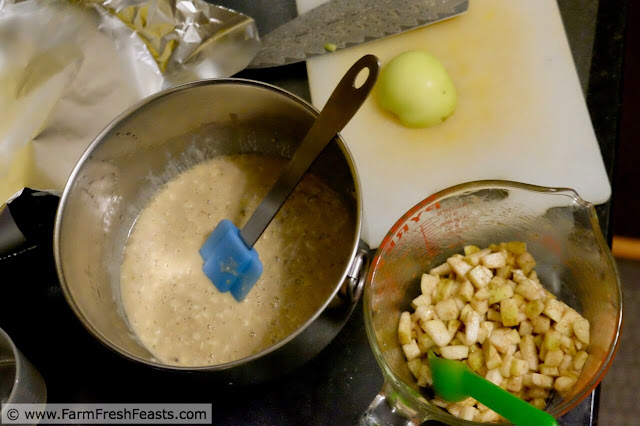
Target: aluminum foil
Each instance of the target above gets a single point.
(67, 68)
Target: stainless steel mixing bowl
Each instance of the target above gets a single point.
(150, 144)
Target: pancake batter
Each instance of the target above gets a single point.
(173, 308)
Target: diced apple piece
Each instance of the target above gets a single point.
(579, 360)
(566, 329)
(516, 247)
(404, 328)
(491, 357)
(526, 380)
(476, 360)
(455, 409)
(482, 294)
(474, 258)
(525, 262)
(422, 300)
(459, 302)
(552, 340)
(489, 326)
(511, 258)
(487, 416)
(466, 290)
(411, 350)
(493, 315)
(422, 382)
(470, 249)
(525, 328)
(455, 352)
(425, 342)
(538, 403)
(554, 309)
(425, 313)
(414, 366)
(505, 368)
(542, 353)
(529, 352)
(520, 298)
(566, 364)
(564, 384)
(537, 339)
(480, 306)
(541, 324)
(521, 315)
(444, 290)
(494, 260)
(509, 312)
(480, 276)
(440, 403)
(498, 338)
(581, 330)
(494, 377)
(519, 367)
(468, 402)
(447, 310)
(483, 334)
(567, 344)
(504, 272)
(513, 336)
(459, 266)
(528, 290)
(553, 358)
(497, 281)
(570, 315)
(425, 374)
(438, 332)
(469, 413)
(518, 276)
(453, 326)
(499, 293)
(538, 392)
(472, 327)
(428, 284)
(443, 269)
(514, 384)
(460, 337)
(542, 380)
(549, 371)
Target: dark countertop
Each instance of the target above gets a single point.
(337, 385)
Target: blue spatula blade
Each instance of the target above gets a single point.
(228, 262)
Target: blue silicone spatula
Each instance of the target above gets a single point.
(230, 260)
(453, 381)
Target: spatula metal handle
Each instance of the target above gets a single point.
(344, 102)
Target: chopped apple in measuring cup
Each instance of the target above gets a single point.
(488, 308)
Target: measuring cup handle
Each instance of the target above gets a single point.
(387, 410)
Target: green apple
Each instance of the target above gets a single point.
(416, 87)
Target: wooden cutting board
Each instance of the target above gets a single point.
(521, 114)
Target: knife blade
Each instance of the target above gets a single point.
(340, 24)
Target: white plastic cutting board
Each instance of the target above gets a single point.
(521, 114)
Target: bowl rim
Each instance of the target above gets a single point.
(314, 112)
(388, 241)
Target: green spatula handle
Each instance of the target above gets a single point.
(514, 409)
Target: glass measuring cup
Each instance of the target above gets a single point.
(20, 382)
(562, 233)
